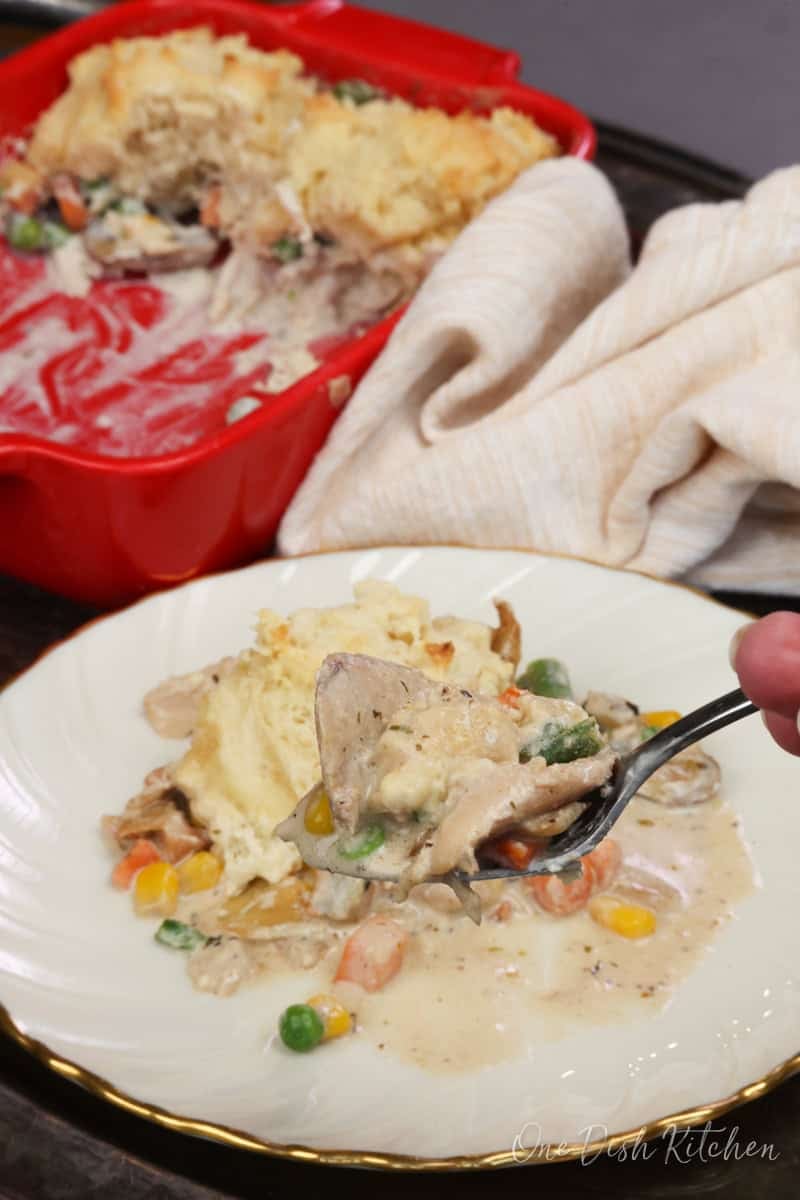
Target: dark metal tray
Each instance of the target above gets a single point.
(57, 1141)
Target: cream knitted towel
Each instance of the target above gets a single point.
(539, 394)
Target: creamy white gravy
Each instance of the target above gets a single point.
(201, 307)
(467, 996)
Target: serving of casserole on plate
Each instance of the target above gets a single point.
(643, 990)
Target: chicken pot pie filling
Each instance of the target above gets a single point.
(502, 768)
(281, 202)
(420, 775)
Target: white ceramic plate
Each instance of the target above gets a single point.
(80, 976)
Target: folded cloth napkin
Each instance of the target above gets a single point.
(539, 393)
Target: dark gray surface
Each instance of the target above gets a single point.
(719, 77)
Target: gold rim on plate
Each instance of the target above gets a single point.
(553, 1152)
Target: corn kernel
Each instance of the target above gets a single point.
(660, 719)
(628, 920)
(200, 872)
(335, 1017)
(319, 818)
(155, 892)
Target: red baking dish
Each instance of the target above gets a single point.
(104, 529)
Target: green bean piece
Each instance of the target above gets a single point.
(356, 90)
(128, 206)
(287, 249)
(54, 234)
(576, 741)
(546, 677)
(98, 194)
(365, 842)
(301, 1028)
(178, 936)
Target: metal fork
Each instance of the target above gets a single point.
(607, 804)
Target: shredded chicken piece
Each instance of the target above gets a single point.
(548, 824)
(338, 897)
(172, 708)
(499, 797)
(161, 814)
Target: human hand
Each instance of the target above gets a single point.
(766, 657)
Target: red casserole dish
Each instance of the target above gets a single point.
(104, 529)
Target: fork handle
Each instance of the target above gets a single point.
(691, 728)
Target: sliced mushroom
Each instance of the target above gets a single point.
(161, 815)
(627, 737)
(143, 242)
(507, 637)
(610, 711)
(691, 777)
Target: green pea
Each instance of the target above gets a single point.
(287, 249)
(26, 233)
(366, 841)
(356, 90)
(178, 936)
(301, 1028)
(546, 677)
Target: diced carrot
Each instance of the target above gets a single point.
(604, 861)
(502, 912)
(209, 208)
(141, 855)
(373, 954)
(510, 696)
(512, 852)
(560, 898)
(74, 212)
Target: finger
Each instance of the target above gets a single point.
(784, 730)
(767, 661)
